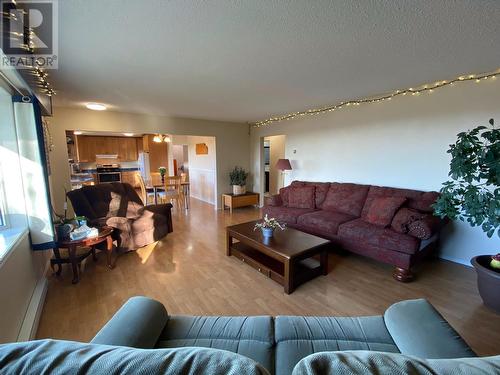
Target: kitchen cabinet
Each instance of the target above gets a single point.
(89, 145)
(129, 177)
(158, 154)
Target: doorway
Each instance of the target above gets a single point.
(273, 150)
(180, 160)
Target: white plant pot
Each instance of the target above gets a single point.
(238, 190)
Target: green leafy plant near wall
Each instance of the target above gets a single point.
(238, 176)
(473, 192)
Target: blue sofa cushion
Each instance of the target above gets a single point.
(67, 357)
(138, 323)
(297, 337)
(366, 362)
(252, 336)
(418, 329)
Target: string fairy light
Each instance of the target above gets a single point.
(429, 87)
(42, 82)
(40, 75)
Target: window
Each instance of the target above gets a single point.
(13, 220)
(2, 209)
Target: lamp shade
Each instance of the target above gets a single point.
(283, 165)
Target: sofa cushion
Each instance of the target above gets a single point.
(424, 202)
(301, 197)
(324, 221)
(299, 336)
(320, 192)
(383, 209)
(376, 235)
(418, 200)
(418, 329)
(369, 362)
(404, 217)
(345, 198)
(284, 195)
(68, 357)
(287, 215)
(138, 323)
(425, 228)
(250, 336)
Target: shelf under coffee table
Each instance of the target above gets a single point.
(286, 258)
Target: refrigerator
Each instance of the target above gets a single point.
(144, 166)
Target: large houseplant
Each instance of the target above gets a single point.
(238, 179)
(473, 195)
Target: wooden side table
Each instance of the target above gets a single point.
(74, 258)
(240, 200)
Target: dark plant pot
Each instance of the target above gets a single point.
(488, 282)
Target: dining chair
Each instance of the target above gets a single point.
(146, 196)
(174, 191)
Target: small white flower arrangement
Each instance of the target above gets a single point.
(269, 223)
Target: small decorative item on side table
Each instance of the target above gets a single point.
(74, 258)
(268, 225)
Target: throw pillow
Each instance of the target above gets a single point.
(383, 209)
(284, 193)
(301, 197)
(345, 198)
(403, 218)
(424, 228)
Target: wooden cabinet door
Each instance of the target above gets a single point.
(158, 156)
(131, 149)
(127, 149)
(87, 148)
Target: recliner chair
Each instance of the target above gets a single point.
(119, 206)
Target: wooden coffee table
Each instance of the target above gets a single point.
(105, 235)
(286, 258)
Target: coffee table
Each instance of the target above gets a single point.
(286, 258)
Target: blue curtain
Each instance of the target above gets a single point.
(33, 163)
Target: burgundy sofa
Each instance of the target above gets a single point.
(392, 225)
(119, 206)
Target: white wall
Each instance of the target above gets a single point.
(202, 168)
(232, 140)
(20, 274)
(400, 143)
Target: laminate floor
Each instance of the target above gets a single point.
(189, 272)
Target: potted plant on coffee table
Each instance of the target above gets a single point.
(268, 225)
(238, 179)
(472, 195)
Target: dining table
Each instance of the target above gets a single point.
(157, 187)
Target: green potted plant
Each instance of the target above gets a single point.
(472, 195)
(238, 179)
(163, 172)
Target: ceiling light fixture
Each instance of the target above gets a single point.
(96, 106)
(159, 138)
(128, 134)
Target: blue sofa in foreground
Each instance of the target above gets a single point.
(411, 337)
